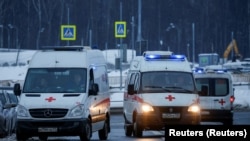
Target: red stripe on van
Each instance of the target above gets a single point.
(133, 97)
(105, 101)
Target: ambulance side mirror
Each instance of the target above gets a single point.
(17, 89)
(131, 89)
(94, 89)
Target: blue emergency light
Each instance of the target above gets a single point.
(202, 70)
(199, 70)
(220, 70)
(155, 57)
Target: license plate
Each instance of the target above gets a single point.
(47, 129)
(171, 115)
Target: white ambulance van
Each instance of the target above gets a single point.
(160, 90)
(215, 87)
(63, 108)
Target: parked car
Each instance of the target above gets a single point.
(8, 102)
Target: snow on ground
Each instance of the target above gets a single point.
(242, 96)
(12, 74)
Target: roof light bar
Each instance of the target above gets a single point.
(202, 70)
(199, 70)
(220, 70)
(155, 57)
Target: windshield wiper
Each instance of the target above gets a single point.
(178, 88)
(158, 87)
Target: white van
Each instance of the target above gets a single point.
(61, 108)
(153, 97)
(216, 95)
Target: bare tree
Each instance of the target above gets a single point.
(37, 6)
(3, 10)
(49, 11)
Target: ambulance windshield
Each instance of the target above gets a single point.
(59, 80)
(176, 82)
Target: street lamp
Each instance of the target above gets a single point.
(11, 27)
(188, 51)
(8, 35)
(161, 43)
(1, 36)
(38, 38)
(173, 26)
(17, 46)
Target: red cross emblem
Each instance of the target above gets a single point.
(170, 97)
(50, 99)
(222, 101)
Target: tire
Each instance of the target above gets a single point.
(87, 132)
(103, 133)
(20, 136)
(197, 121)
(128, 130)
(137, 129)
(43, 138)
(228, 122)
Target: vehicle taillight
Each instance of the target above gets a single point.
(232, 98)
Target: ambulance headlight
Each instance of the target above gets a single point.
(76, 111)
(147, 108)
(194, 108)
(22, 111)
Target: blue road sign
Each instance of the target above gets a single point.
(120, 29)
(68, 32)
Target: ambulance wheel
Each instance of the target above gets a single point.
(137, 129)
(87, 132)
(43, 138)
(103, 133)
(228, 122)
(20, 137)
(128, 130)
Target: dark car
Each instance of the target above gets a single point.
(8, 102)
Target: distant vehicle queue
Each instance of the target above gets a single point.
(68, 93)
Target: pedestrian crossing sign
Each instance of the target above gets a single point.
(120, 29)
(68, 32)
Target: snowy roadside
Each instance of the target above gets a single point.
(242, 97)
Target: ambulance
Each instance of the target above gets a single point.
(153, 95)
(60, 109)
(216, 92)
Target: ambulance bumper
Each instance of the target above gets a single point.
(216, 115)
(68, 127)
(158, 121)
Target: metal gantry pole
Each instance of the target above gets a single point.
(121, 46)
(193, 31)
(133, 36)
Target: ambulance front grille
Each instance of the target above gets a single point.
(171, 109)
(48, 113)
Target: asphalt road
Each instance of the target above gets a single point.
(118, 134)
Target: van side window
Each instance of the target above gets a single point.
(134, 80)
(202, 84)
(221, 87)
(137, 84)
(216, 87)
(101, 77)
